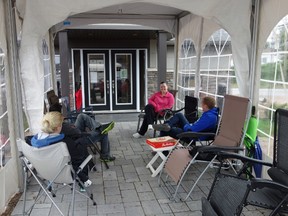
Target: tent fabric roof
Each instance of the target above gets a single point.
(231, 15)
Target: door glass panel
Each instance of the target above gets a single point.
(123, 74)
(96, 71)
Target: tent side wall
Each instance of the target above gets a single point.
(9, 176)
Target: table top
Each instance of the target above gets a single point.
(163, 148)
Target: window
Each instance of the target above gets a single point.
(273, 89)
(186, 73)
(47, 70)
(217, 73)
(5, 150)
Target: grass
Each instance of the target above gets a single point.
(264, 125)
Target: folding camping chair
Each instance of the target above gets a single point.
(142, 113)
(229, 136)
(229, 194)
(262, 193)
(93, 146)
(190, 111)
(50, 165)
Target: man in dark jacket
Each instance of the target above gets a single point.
(96, 132)
(178, 123)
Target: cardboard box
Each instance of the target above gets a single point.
(161, 142)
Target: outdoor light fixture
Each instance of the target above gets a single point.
(113, 24)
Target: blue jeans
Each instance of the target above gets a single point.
(176, 124)
(84, 121)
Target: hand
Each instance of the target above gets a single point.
(187, 127)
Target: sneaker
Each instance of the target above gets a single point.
(137, 135)
(161, 127)
(105, 128)
(150, 127)
(87, 183)
(107, 159)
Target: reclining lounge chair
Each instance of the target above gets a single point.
(229, 137)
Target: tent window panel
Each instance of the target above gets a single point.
(217, 75)
(186, 75)
(5, 150)
(273, 83)
(47, 68)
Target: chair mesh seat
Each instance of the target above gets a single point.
(227, 194)
(265, 197)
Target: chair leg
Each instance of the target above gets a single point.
(138, 125)
(73, 195)
(198, 179)
(25, 189)
(99, 152)
(43, 188)
(97, 149)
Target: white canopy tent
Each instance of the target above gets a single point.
(39, 17)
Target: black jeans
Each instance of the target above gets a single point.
(149, 118)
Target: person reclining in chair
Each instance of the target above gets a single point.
(97, 132)
(157, 102)
(178, 123)
(50, 135)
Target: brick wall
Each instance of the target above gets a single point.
(152, 86)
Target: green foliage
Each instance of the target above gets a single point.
(268, 71)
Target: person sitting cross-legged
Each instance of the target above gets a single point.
(86, 127)
(157, 102)
(178, 123)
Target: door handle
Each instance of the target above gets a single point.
(108, 86)
(113, 86)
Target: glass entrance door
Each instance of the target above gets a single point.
(110, 81)
(123, 79)
(97, 79)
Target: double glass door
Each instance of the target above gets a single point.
(110, 79)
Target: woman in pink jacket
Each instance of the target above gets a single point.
(157, 102)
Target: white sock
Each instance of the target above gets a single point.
(150, 127)
(137, 135)
(87, 183)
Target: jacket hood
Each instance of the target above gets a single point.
(46, 141)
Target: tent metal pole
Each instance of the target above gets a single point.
(254, 51)
(198, 54)
(176, 54)
(15, 107)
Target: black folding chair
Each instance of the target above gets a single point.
(93, 146)
(259, 192)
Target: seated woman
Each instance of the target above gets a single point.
(157, 102)
(178, 123)
(50, 134)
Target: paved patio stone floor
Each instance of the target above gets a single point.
(127, 188)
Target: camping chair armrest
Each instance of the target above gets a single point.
(217, 149)
(265, 183)
(176, 111)
(194, 134)
(244, 159)
(84, 163)
(163, 111)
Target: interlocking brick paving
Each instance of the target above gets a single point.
(127, 188)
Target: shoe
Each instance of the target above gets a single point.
(87, 183)
(137, 135)
(150, 127)
(162, 127)
(107, 159)
(105, 128)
